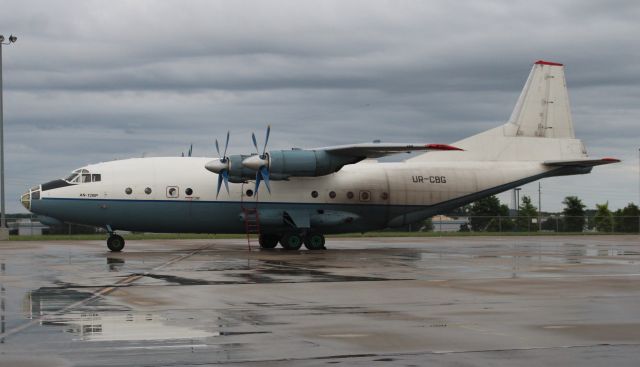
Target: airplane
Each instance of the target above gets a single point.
(329, 190)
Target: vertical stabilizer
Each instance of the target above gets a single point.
(543, 107)
(539, 129)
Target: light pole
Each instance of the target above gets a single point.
(4, 231)
(517, 190)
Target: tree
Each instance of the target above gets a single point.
(427, 225)
(604, 218)
(627, 219)
(574, 214)
(486, 215)
(526, 212)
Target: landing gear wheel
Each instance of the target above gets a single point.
(291, 241)
(314, 241)
(268, 240)
(115, 243)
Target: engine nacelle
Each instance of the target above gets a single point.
(290, 163)
(305, 163)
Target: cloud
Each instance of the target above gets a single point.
(91, 81)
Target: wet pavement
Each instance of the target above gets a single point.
(488, 301)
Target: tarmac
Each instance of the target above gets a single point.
(465, 301)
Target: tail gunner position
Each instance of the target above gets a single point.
(313, 192)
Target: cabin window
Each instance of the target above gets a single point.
(314, 194)
(128, 191)
(249, 192)
(147, 191)
(96, 177)
(188, 191)
(350, 195)
(172, 191)
(332, 194)
(365, 196)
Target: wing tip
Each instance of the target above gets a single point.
(442, 147)
(611, 160)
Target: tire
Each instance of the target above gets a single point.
(314, 241)
(268, 240)
(291, 241)
(115, 243)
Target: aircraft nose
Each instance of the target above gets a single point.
(25, 199)
(29, 196)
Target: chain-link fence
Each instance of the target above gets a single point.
(30, 225)
(528, 224)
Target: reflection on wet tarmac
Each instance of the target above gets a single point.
(115, 263)
(93, 326)
(177, 303)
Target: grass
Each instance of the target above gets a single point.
(188, 236)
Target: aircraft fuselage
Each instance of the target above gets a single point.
(176, 194)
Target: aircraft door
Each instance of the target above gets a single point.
(248, 198)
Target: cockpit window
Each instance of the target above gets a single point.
(71, 177)
(83, 176)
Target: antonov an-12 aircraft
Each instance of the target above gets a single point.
(313, 192)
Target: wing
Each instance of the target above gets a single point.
(581, 162)
(377, 150)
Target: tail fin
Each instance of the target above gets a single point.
(539, 129)
(543, 107)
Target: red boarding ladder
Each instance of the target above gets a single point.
(251, 223)
(251, 217)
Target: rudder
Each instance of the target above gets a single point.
(543, 108)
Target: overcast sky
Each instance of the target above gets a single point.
(92, 81)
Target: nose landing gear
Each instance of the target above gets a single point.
(115, 243)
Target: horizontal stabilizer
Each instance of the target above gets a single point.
(581, 162)
(377, 150)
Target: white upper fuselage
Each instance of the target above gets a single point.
(401, 184)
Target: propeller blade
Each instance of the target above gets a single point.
(190, 149)
(266, 140)
(219, 185)
(226, 145)
(264, 172)
(218, 148)
(225, 175)
(255, 143)
(258, 178)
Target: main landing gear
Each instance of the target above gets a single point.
(115, 243)
(293, 241)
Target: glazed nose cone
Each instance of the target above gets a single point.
(25, 199)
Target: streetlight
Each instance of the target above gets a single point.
(4, 231)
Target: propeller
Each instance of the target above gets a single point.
(260, 162)
(221, 166)
(190, 150)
